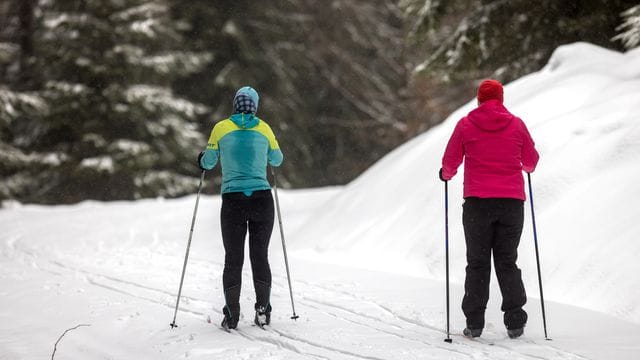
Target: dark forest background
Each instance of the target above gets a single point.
(114, 99)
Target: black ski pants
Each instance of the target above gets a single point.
(493, 226)
(241, 213)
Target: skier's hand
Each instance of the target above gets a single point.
(200, 161)
(440, 176)
(208, 159)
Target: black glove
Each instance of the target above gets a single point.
(200, 158)
(440, 175)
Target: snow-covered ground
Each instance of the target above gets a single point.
(367, 258)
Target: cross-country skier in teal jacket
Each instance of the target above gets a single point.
(245, 145)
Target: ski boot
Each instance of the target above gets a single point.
(472, 333)
(231, 310)
(262, 306)
(263, 315)
(231, 318)
(515, 333)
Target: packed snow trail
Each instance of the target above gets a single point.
(116, 266)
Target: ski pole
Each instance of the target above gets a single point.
(284, 247)
(535, 240)
(186, 256)
(446, 246)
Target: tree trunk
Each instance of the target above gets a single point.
(25, 38)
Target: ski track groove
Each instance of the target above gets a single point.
(289, 347)
(485, 352)
(559, 352)
(321, 346)
(111, 288)
(445, 348)
(388, 332)
(385, 309)
(275, 342)
(279, 344)
(272, 342)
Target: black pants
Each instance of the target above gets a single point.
(239, 214)
(493, 225)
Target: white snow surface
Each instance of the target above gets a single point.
(367, 259)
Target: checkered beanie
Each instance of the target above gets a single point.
(244, 104)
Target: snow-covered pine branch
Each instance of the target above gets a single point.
(13, 103)
(630, 35)
(160, 99)
(170, 62)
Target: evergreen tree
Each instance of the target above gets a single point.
(630, 34)
(331, 77)
(101, 99)
(471, 39)
(16, 104)
(14, 161)
(459, 42)
(113, 129)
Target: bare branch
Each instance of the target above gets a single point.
(55, 347)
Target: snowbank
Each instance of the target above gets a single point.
(582, 111)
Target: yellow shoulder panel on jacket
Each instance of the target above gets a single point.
(221, 129)
(264, 129)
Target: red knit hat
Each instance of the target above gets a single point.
(490, 90)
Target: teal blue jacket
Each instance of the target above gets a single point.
(245, 145)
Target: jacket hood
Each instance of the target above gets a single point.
(245, 121)
(491, 116)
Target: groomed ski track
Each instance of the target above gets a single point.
(125, 288)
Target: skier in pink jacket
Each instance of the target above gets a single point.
(496, 147)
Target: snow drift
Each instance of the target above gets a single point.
(582, 110)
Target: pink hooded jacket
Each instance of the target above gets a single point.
(496, 147)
